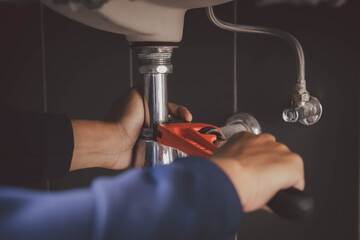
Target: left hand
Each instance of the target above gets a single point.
(109, 144)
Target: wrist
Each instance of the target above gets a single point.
(235, 172)
(97, 144)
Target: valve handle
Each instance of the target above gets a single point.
(292, 204)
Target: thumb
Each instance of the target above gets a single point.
(128, 111)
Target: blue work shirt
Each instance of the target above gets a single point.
(191, 198)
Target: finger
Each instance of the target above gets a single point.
(132, 110)
(268, 137)
(280, 146)
(139, 88)
(267, 209)
(180, 112)
(300, 184)
(120, 105)
(295, 176)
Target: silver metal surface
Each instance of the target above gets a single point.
(155, 98)
(230, 130)
(151, 153)
(158, 55)
(155, 65)
(306, 112)
(240, 121)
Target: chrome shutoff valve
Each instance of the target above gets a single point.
(306, 111)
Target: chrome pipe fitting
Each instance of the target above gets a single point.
(155, 65)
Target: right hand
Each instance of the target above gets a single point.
(259, 167)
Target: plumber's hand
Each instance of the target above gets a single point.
(109, 144)
(259, 167)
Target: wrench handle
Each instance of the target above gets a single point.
(292, 204)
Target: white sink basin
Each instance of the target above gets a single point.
(139, 20)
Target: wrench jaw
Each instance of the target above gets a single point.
(170, 141)
(163, 143)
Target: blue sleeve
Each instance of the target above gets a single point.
(189, 199)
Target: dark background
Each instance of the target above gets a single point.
(87, 69)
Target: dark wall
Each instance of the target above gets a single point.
(86, 69)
